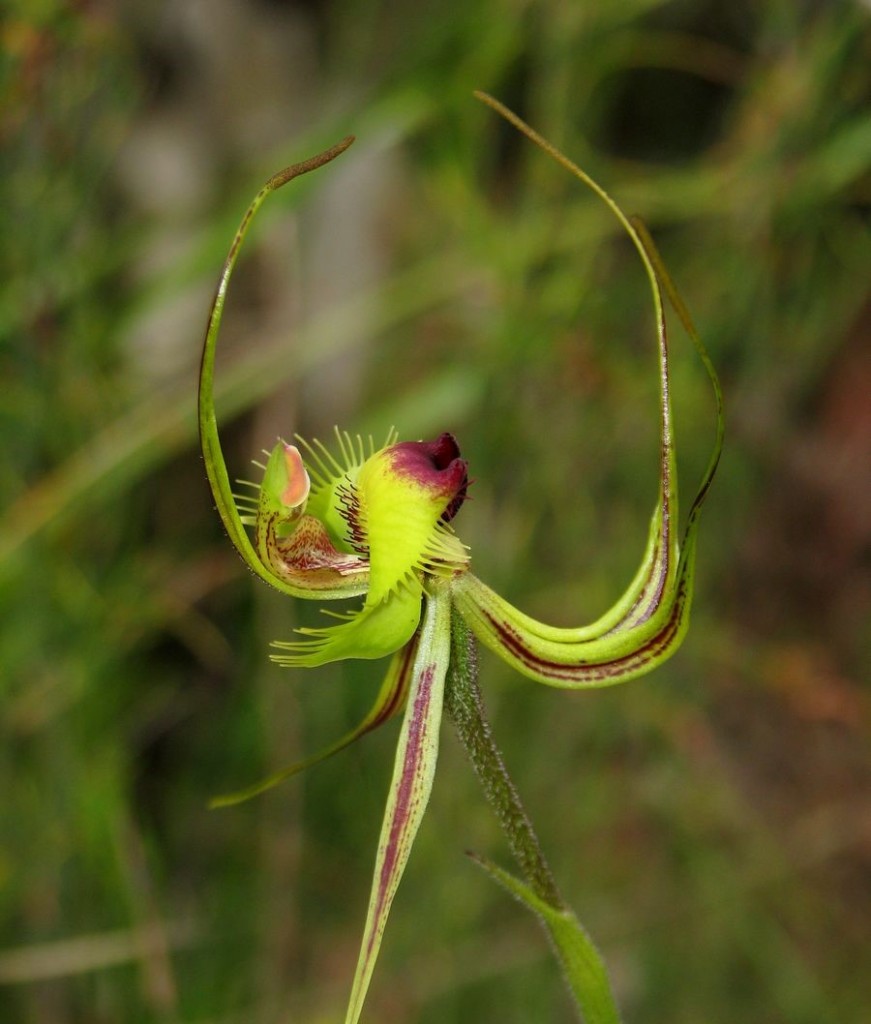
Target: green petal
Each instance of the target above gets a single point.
(410, 788)
(389, 702)
(374, 631)
(615, 657)
(210, 442)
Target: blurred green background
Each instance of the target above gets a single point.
(711, 823)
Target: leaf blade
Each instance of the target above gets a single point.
(581, 962)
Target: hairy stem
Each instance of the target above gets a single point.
(466, 709)
(583, 967)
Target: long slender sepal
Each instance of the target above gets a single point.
(686, 320)
(647, 624)
(389, 702)
(213, 455)
(659, 564)
(410, 788)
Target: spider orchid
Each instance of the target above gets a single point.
(376, 523)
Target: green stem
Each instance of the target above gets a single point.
(466, 708)
(584, 968)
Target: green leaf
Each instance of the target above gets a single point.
(580, 960)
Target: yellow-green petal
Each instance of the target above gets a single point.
(403, 496)
(374, 631)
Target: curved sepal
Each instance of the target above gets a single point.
(413, 771)
(389, 702)
(615, 657)
(210, 442)
(647, 624)
(623, 644)
(659, 563)
(680, 307)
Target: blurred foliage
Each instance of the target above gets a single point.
(711, 823)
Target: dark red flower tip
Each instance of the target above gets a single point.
(437, 466)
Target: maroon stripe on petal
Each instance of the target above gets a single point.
(658, 570)
(400, 691)
(405, 793)
(585, 670)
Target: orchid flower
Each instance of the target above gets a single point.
(376, 523)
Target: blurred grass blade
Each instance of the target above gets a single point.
(414, 768)
(580, 960)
